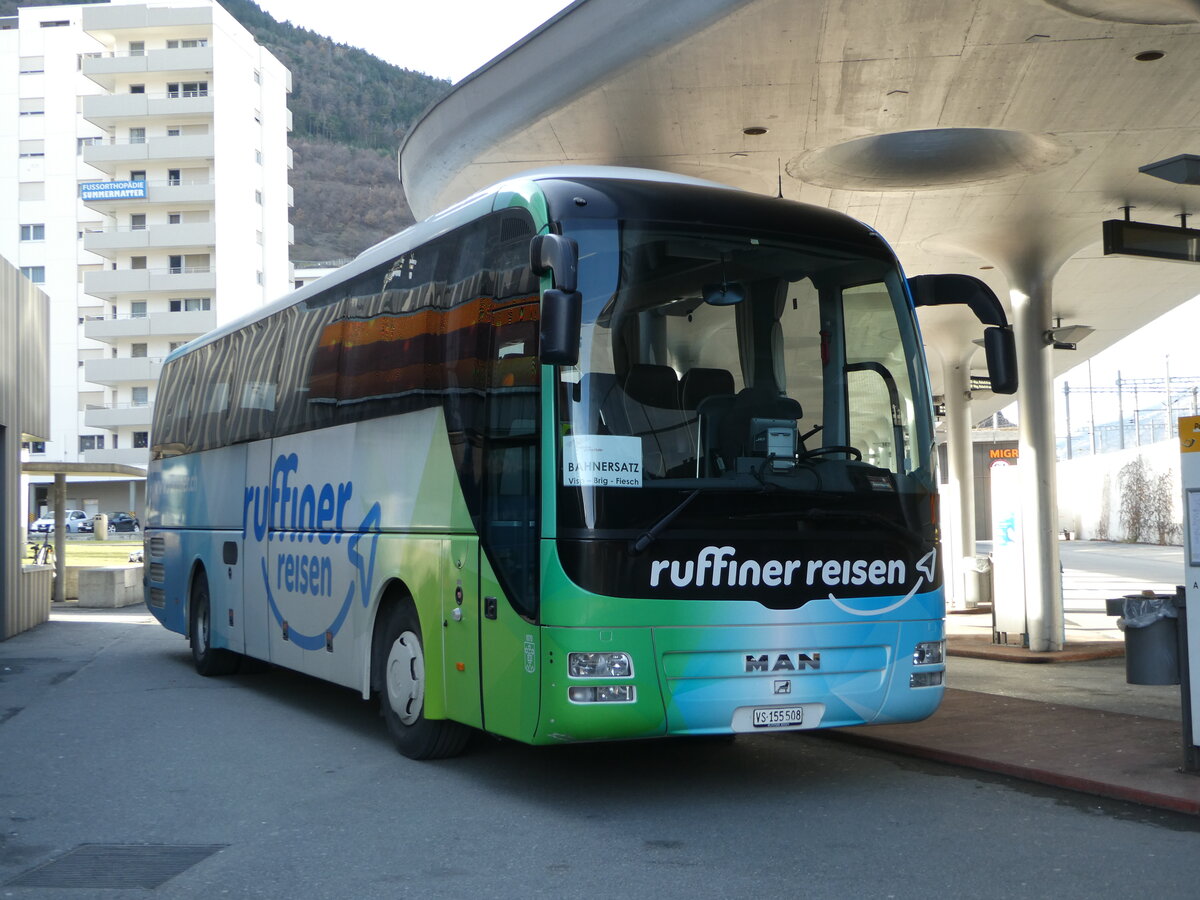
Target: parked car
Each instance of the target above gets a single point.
(76, 519)
(123, 521)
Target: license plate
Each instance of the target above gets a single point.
(778, 716)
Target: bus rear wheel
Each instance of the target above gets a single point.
(401, 680)
(207, 659)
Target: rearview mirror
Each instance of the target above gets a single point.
(558, 344)
(1000, 346)
(999, 343)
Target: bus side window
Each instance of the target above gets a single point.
(252, 413)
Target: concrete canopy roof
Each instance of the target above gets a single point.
(990, 137)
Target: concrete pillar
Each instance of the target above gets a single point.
(956, 382)
(1030, 293)
(60, 537)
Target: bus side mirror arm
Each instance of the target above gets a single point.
(999, 343)
(562, 306)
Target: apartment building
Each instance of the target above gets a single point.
(143, 187)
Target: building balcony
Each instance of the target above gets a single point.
(118, 415)
(130, 457)
(175, 194)
(105, 18)
(109, 110)
(172, 325)
(111, 156)
(109, 243)
(113, 372)
(186, 62)
(109, 284)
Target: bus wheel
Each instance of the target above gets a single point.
(207, 659)
(402, 694)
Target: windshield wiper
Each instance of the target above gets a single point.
(646, 538)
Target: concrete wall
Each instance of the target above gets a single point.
(1089, 493)
(24, 414)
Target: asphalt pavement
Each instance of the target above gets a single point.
(102, 694)
(1067, 718)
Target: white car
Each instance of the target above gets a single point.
(76, 519)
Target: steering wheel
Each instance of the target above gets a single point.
(854, 452)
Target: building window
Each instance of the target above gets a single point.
(91, 442)
(141, 439)
(176, 89)
(258, 157)
(137, 309)
(257, 77)
(29, 149)
(137, 175)
(137, 135)
(141, 396)
(175, 345)
(36, 274)
(32, 65)
(34, 446)
(175, 264)
(137, 89)
(137, 351)
(258, 276)
(174, 218)
(173, 177)
(258, 197)
(137, 221)
(137, 48)
(31, 190)
(57, 23)
(137, 262)
(82, 142)
(187, 42)
(32, 106)
(33, 232)
(191, 304)
(174, 131)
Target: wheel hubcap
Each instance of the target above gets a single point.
(406, 677)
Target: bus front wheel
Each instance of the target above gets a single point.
(207, 659)
(402, 692)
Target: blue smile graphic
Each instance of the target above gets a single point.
(364, 566)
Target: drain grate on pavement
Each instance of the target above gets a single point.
(97, 866)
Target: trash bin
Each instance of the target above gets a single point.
(1151, 625)
(979, 582)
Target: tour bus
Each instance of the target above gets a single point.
(595, 454)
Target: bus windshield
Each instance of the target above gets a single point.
(739, 380)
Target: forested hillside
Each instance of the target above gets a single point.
(349, 113)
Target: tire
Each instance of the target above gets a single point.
(207, 659)
(400, 676)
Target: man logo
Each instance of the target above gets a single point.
(782, 662)
(783, 687)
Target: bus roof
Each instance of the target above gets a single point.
(473, 207)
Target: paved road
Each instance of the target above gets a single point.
(1142, 563)
(108, 737)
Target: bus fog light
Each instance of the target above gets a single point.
(609, 693)
(599, 665)
(929, 653)
(925, 679)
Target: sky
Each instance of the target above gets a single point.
(444, 38)
(452, 38)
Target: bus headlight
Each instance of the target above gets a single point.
(599, 665)
(929, 653)
(609, 693)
